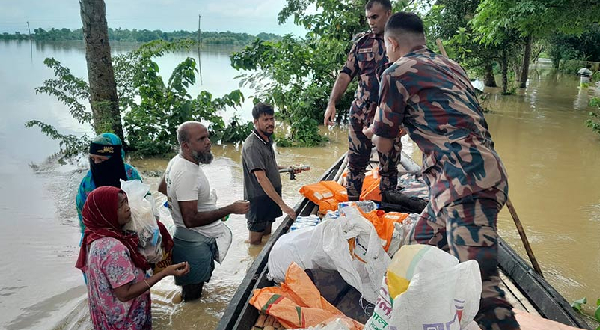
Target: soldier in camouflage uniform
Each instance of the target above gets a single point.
(431, 96)
(366, 57)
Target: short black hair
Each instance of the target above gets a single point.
(386, 4)
(405, 22)
(588, 66)
(262, 109)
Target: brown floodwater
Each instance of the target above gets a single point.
(540, 133)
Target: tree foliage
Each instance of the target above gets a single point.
(594, 121)
(568, 46)
(297, 74)
(151, 108)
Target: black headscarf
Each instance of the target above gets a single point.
(112, 170)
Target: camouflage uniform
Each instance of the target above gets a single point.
(366, 58)
(432, 97)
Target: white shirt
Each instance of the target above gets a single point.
(187, 182)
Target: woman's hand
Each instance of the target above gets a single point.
(179, 269)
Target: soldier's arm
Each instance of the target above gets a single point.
(390, 112)
(348, 72)
(339, 88)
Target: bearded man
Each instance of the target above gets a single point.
(192, 203)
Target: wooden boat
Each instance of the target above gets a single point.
(524, 288)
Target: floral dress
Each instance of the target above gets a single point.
(109, 266)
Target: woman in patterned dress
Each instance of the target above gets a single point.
(117, 273)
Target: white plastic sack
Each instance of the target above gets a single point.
(287, 250)
(438, 298)
(365, 275)
(223, 243)
(437, 292)
(164, 216)
(143, 220)
(329, 249)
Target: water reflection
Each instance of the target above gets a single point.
(582, 99)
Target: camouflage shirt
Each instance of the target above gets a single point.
(432, 97)
(365, 59)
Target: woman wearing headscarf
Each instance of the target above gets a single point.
(107, 168)
(118, 289)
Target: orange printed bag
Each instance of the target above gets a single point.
(339, 191)
(370, 188)
(384, 223)
(326, 194)
(298, 304)
(316, 192)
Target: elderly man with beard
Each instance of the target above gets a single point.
(193, 207)
(262, 181)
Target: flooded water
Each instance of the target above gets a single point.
(540, 134)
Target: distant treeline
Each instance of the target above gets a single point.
(214, 38)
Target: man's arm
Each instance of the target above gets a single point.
(339, 88)
(162, 186)
(342, 81)
(192, 218)
(267, 186)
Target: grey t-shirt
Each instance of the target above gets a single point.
(258, 154)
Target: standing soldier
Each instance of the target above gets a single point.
(432, 97)
(366, 57)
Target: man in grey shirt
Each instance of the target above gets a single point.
(262, 181)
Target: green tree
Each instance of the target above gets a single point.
(151, 122)
(568, 46)
(297, 74)
(450, 20)
(153, 108)
(499, 21)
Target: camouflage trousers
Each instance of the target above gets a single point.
(467, 230)
(359, 154)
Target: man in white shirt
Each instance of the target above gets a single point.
(585, 75)
(197, 218)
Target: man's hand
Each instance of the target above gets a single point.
(289, 211)
(179, 269)
(240, 207)
(329, 118)
(368, 132)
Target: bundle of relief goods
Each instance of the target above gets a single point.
(305, 221)
(143, 220)
(298, 304)
(362, 206)
(370, 189)
(427, 288)
(326, 194)
(348, 244)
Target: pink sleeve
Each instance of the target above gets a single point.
(118, 266)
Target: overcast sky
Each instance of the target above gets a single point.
(251, 16)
